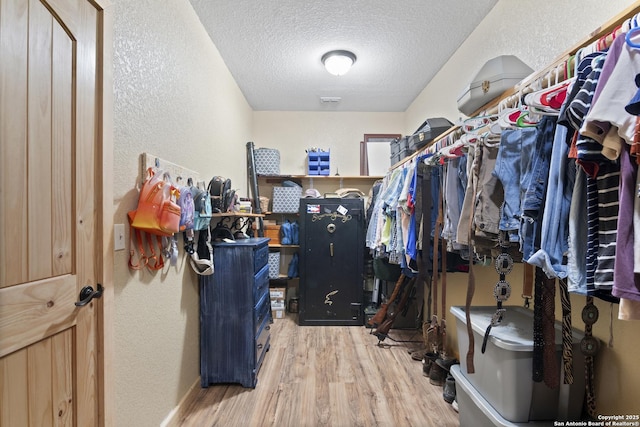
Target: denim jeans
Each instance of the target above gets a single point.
(516, 151)
(554, 233)
(453, 196)
(533, 183)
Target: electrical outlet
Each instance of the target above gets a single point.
(118, 237)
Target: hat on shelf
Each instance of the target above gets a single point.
(312, 192)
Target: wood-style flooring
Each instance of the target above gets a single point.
(328, 376)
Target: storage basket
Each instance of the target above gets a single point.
(274, 265)
(267, 161)
(286, 199)
(264, 204)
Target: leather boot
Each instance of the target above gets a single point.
(449, 389)
(446, 363)
(437, 374)
(428, 360)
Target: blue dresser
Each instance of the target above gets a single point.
(235, 313)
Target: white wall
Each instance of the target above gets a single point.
(174, 98)
(291, 132)
(537, 32)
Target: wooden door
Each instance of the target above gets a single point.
(50, 229)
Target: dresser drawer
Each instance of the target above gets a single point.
(262, 343)
(260, 313)
(261, 284)
(260, 257)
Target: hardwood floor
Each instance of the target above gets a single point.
(328, 376)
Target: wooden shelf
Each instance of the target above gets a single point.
(282, 277)
(277, 245)
(279, 177)
(236, 215)
(280, 213)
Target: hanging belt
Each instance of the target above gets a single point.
(551, 377)
(443, 323)
(417, 218)
(567, 334)
(471, 281)
(502, 290)
(436, 244)
(422, 216)
(589, 347)
(433, 327)
(527, 283)
(538, 338)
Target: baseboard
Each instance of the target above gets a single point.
(173, 419)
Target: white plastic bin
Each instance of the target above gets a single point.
(503, 374)
(475, 411)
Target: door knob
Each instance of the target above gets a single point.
(87, 294)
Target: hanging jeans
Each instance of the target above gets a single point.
(533, 184)
(514, 155)
(554, 229)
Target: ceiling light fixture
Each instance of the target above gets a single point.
(338, 62)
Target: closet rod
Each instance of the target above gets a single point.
(604, 33)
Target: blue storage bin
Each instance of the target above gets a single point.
(318, 163)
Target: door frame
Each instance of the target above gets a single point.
(104, 242)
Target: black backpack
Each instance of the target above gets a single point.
(221, 194)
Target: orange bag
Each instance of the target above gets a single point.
(157, 211)
(157, 214)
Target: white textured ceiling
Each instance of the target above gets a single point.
(273, 48)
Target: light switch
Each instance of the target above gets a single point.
(118, 237)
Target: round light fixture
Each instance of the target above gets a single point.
(338, 62)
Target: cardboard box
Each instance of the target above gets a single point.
(276, 294)
(272, 232)
(277, 303)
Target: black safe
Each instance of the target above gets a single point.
(332, 233)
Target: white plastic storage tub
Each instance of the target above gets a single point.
(503, 374)
(494, 78)
(475, 411)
